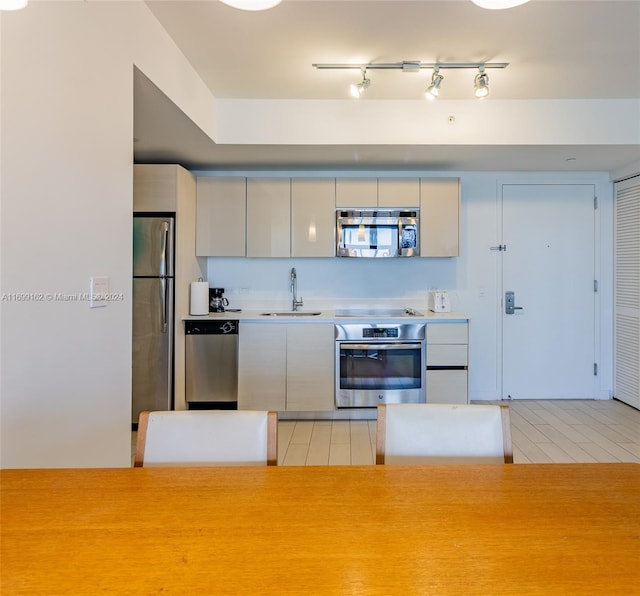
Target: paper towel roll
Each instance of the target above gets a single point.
(199, 298)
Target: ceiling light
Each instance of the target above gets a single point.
(357, 89)
(252, 4)
(481, 80)
(497, 4)
(481, 84)
(12, 4)
(433, 90)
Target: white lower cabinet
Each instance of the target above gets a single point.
(310, 366)
(286, 367)
(447, 362)
(262, 366)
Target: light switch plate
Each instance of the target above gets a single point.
(99, 291)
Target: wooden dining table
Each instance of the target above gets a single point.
(406, 530)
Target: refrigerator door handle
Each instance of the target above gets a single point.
(163, 252)
(164, 303)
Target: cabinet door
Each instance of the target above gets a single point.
(268, 217)
(447, 333)
(313, 217)
(447, 387)
(447, 355)
(310, 366)
(356, 192)
(220, 216)
(155, 187)
(262, 366)
(398, 192)
(439, 217)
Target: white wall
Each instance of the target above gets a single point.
(473, 278)
(495, 122)
(66, 199)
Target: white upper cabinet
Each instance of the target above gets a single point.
(269, 217)
(439, 217)
(313, 217)
(377, 192)
(398, 192)
(295, 217)
(221, 216)
(356, 192)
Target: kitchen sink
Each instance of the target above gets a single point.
(292, 313)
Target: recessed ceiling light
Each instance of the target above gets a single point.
(12, 4)
(252, 4)
(498, 4)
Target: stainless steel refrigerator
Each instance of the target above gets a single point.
(153, 274)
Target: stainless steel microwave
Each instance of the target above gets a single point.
(378, 233)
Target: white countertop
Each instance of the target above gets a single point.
(327, 316)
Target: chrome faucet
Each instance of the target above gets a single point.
(294, 290)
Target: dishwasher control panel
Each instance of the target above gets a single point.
(211, 327)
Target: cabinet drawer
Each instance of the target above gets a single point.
(447, 333)
(446, 355)
(447, 387)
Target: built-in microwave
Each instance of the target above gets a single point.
(378, 233)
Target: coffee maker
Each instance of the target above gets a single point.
(217, 301)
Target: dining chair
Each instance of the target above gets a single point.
(443, 433)
(207, 438)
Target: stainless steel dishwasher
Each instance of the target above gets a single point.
(211, 364)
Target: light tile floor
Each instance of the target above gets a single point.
(543, 431)
(557, 431)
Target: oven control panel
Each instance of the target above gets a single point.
(380, 332)
(383, 332)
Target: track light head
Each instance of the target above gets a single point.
(481, 84)
(357, 89)
(433, 90)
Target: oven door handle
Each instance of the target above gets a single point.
(380, 346)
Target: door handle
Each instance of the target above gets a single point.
(510, 303)
(164, 303)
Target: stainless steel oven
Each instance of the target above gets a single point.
(380, 363)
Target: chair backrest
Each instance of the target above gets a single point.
(207, 438)
(443, 433)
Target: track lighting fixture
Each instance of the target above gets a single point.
(433, 90)
(252, 4)
(357, 89)
(481, 84)
(481, 81)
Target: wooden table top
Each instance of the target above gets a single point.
(496, 529)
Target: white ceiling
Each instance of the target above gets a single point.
(569, 49)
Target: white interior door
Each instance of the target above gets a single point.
(548, 343)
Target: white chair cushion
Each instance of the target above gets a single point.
(202, 438)
(435, 433)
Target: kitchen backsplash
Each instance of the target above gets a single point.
(327, 283)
